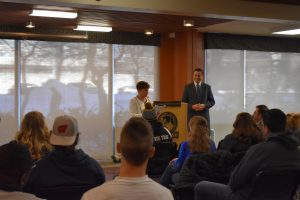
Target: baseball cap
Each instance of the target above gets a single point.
(65, 130)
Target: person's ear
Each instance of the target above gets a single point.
(151, 152)
(266, 132)
(119, 147)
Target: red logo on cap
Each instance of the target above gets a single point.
(62, 128)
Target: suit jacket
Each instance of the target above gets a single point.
(206, 97)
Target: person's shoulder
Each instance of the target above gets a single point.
(191, 84)
(88, 159)
(18, 195)
(132, 99)
(160, 190)
(101, 190)
(184, 144)
(205, 84)
(258, 149)
(229, 137)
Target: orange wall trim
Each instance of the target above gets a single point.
(179, 55)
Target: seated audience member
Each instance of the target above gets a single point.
(137, 103)
(279, 150)
(34, 134)
(244, 135)
(293, 127)
(160, 133)
(133, 184)
(198, 142)
(15, 163)
(257, 116)
(211, 166)
(293, 124)
(66, 166)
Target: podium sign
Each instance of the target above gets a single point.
(173, 116)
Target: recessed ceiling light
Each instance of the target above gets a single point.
(188, 22)
(149, 32)
(288, 32)
(30, 25)
(93, 28)
(52, 13)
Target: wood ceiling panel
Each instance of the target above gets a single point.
(286, 2)
(14, 14)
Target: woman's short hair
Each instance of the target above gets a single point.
(142, 85)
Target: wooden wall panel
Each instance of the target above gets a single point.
(178, 57)
(166, 68)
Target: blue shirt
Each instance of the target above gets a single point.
(184, 153)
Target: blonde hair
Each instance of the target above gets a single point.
(198, 138)
(293, 122)
(34, 134)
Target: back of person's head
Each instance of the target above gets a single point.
(198, 136)
(293, 122)
(15, 161)
(34, 134)
(244, 127)
(275, 120)
(149, 112)
(64, 132)
(136, 141)
(262, 109)
(142, 85)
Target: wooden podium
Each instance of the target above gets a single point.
(173, 115)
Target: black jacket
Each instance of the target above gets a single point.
(160, 134)
(212, 166)
(65, 168)
(280, 150)
(236, 145)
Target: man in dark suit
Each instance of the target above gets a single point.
(199, 96)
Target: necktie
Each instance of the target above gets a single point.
(198, 90)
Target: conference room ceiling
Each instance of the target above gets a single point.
(250, 17)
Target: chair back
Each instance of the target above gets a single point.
(63, 192)
(275, 184)
(164, 153)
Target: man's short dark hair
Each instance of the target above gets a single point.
(199, 70)
(15, 160)
(142, 85)
(262, 109)
(275, 120)
(136, 140)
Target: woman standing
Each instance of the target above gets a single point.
(137, 103)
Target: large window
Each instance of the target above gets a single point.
(132, 64)
(250, 78)
(8, 112)
(75, 78)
